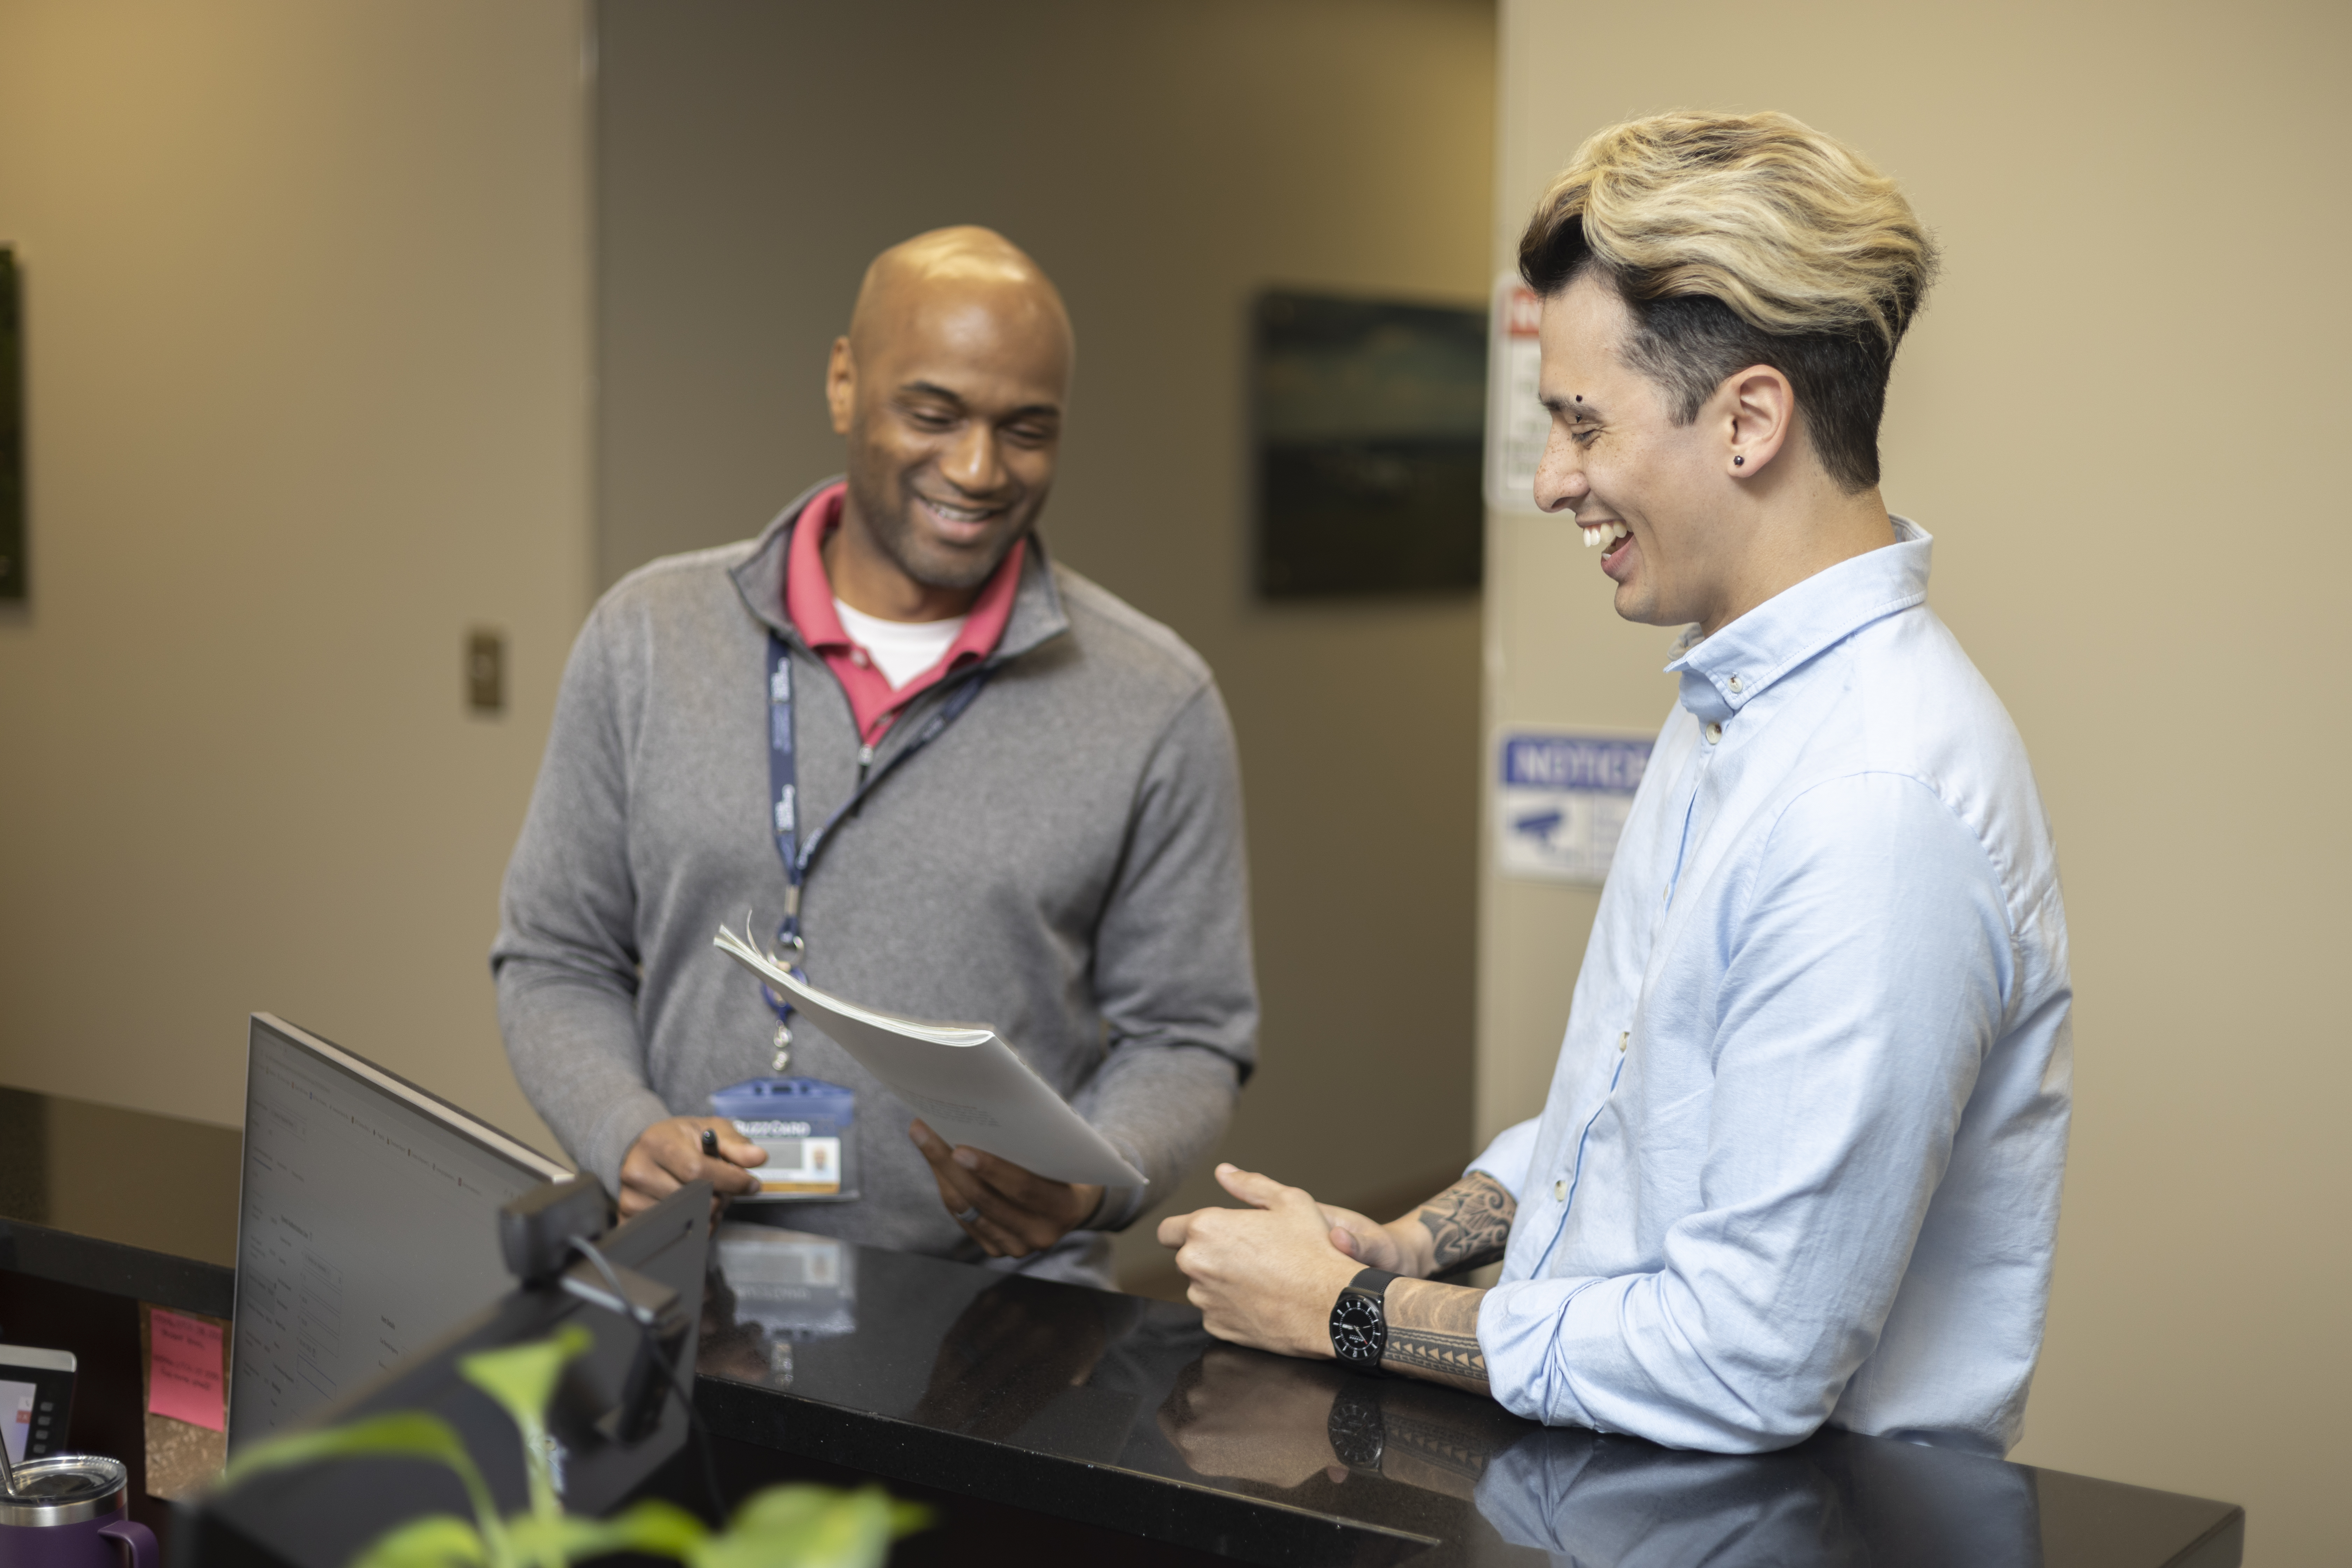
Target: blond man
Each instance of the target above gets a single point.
(1801, 1158)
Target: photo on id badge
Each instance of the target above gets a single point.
(805, 1126)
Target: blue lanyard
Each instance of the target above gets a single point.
(798, 855)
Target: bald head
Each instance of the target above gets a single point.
(955, 270)
(950, 385)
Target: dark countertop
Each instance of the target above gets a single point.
(1121, 1415)
(120, 1201)
(1119, 1411)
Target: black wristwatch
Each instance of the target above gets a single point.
(1359, 1322)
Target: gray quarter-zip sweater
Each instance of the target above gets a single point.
(1063, 863)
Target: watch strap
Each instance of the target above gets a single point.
(1372, 1282)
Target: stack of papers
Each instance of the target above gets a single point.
(962, 1079)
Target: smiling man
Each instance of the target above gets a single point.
(1801, 1158)
(978, 786)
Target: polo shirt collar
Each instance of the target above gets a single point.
(1037, 616)
(1722, 674)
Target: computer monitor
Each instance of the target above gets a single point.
(367, 1228)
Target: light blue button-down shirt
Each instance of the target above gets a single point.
(1801, 1158)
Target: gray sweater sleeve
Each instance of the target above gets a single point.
(1171, 963)
(566, 957)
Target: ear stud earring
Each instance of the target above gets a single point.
(1736, 462)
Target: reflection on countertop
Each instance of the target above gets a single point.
(1123, 1412)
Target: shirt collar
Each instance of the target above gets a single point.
(762, 578)
(1724, 673)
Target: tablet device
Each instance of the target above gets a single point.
(36, 1401)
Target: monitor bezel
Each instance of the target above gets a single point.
(463, 1123)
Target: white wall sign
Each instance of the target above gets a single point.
(1560, 801)
(1517, 423)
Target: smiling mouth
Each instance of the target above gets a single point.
(1611, 536)
(959, 519)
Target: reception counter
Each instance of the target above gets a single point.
(1048, 1422)
(1124, 1414)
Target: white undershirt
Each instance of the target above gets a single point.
(901, 651)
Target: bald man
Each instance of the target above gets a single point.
(1046, 827)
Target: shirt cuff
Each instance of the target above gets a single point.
(1508, 1157)
(1522, 1331)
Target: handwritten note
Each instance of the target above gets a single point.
(183, 1379)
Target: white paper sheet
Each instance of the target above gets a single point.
(961, 1079)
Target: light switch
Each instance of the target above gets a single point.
(485, 672)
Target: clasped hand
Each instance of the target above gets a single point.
(1267, 1275)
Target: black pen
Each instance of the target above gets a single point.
(710, 1142)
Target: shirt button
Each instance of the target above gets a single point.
(857, 657)
(1623, 1038)
(1559, 1190)
(1714, 733)
(1734, 684)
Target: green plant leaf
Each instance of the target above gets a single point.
(659, 1529)
(399, 1435)
(435, 1541)
(808, 1526)
(521, 1379)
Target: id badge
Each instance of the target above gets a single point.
(805, 1125)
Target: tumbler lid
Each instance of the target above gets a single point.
(65, 1488)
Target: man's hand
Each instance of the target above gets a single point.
(1267, 1275)
(1391, 1247)
(1018, 1213)
(1467, 1223)
(668, 1154)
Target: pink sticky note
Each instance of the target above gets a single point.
(184, 1377)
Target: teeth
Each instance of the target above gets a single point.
(1604, 534)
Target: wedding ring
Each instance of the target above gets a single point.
(967, 1215)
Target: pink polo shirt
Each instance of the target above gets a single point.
(808, 604)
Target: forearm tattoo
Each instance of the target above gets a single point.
(1433, 1333)
(1469, 1221)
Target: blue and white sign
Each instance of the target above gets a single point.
(1560, 802)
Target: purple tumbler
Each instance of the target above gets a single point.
(68, 1511)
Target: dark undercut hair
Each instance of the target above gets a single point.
(1737, 240)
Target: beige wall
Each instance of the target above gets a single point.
(1163, 159)
(307, 300)
(2123, 417)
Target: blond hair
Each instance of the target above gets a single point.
(1742, 239)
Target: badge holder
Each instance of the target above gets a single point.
(805, 1124)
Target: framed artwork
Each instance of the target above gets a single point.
(1368, 421)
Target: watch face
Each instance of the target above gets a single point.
(1359, 1330)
